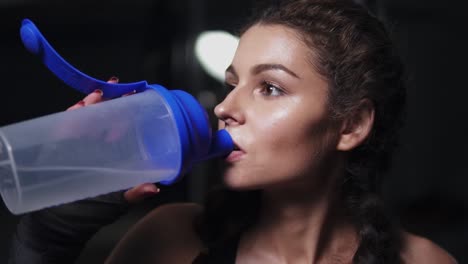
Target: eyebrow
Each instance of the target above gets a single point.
(265, 67)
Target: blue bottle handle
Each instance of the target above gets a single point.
(35, 42)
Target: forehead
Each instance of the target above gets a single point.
(273, 44)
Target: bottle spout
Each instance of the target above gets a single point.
(221, 145)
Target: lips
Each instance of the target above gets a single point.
(236, 146)
(236, 154)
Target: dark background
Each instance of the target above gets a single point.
(153, 41)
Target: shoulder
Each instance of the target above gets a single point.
(417, 249)
(165, 235)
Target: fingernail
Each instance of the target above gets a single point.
(98, 91)
(150, 191)
(114, 79)
(149, 194)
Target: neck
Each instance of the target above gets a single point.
(300, 225)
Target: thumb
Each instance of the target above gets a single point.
(141, 192)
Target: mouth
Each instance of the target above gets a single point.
(236, 154)
(236, 147)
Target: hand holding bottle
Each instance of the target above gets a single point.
(137, 193)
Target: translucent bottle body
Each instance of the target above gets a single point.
(93, 150)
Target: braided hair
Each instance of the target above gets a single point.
(352, 50)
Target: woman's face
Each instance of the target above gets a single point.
(276, 111)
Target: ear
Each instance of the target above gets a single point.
(356, 128)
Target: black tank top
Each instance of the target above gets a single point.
(222, 254)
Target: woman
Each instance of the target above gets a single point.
(315, 98)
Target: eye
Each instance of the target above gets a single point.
(270, 89)
(227, 88)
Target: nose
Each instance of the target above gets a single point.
(229, 111)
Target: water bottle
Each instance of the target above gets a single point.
(155, 135)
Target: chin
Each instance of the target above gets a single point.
(238, 182)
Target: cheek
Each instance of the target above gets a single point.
(292, 155)
(296, 146)
(278, 160)
(282, 145)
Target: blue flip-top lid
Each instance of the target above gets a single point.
(197, 141)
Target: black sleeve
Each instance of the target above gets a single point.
(58, 234)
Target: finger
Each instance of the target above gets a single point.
(141, 192)
(76, 106)
(113, 79)
(117, 131)
(92, 98)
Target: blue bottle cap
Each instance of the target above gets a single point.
(197, 141)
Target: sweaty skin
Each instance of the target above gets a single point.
(276, 111)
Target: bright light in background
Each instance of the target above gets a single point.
(214, 51)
